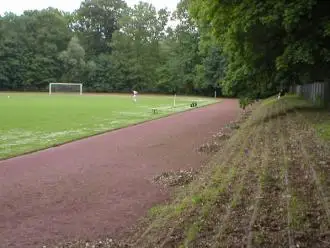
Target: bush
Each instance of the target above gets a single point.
(244, 102)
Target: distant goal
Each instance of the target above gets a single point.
(65, 88)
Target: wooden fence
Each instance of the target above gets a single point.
(318, 93)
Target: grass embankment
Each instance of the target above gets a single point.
(269, 186)
(31, 122)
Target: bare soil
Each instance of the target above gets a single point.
(98, 187)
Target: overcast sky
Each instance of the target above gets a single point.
(18, 6)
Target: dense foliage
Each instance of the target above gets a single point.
(109, 47)
(245, 48)
(268, 45)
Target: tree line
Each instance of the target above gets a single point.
(268, 45)
(245, 48)
(109, 47)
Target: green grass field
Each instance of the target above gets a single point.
(32, 122)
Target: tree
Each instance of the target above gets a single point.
(11, 46)
(211, 72)
(135, 47)
(29, 48)
(268, 44)
(73, 59)
(96, 21)
(180, 50)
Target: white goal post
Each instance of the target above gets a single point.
(65, 88)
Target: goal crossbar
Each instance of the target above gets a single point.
(68, 84)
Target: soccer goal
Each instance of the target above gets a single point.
(65, 88)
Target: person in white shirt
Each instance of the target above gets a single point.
(134, 95)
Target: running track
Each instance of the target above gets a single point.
(100, 185)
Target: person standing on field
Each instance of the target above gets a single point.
(134, 95)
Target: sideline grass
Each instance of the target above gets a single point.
(268, 187)
(32, 122)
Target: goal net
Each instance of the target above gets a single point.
(65, 88)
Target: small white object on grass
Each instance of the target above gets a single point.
(8, 96)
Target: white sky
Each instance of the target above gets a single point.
(18, 6)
